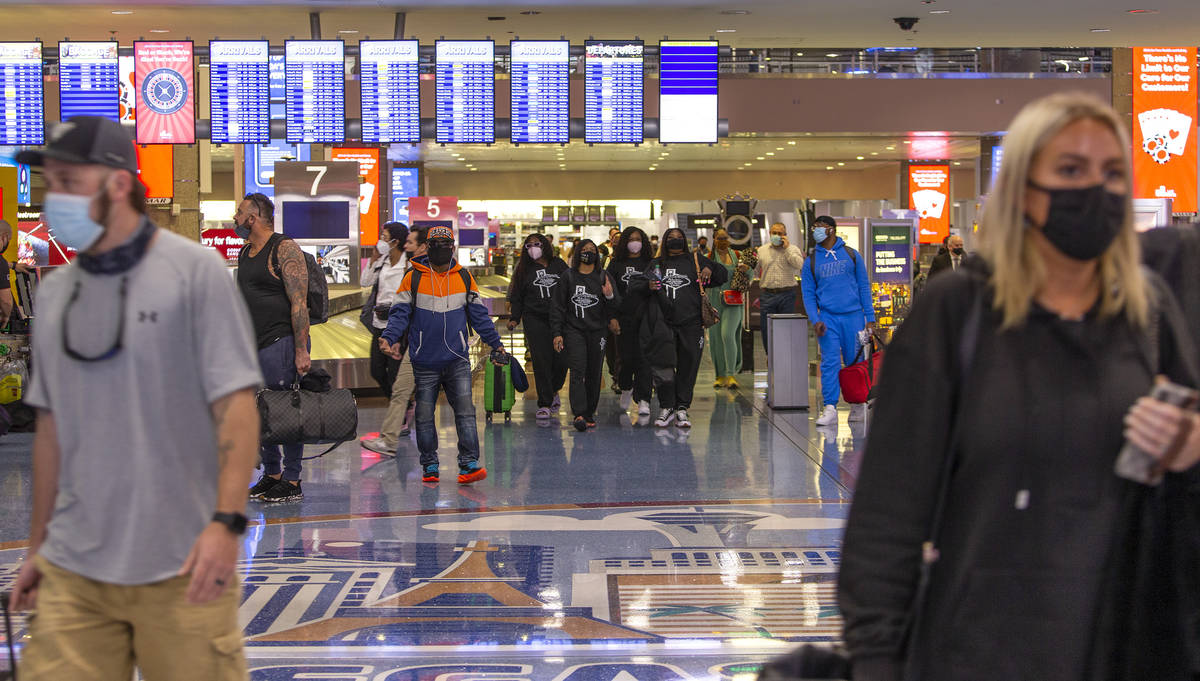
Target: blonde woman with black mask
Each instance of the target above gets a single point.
(1045, 564)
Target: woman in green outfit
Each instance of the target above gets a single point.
(725, 338)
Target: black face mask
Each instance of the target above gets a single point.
(587, 258)
(676, 244)
(956, 251)
(440, 255)
(1083, 223)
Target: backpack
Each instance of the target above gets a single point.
(812, 265)
(318, 288)
(466, 277)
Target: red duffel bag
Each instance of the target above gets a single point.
(858, 378)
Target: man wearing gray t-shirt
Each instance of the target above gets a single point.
(144, 379)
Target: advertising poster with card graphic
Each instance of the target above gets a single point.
(929, 194)
(368, 189)
(1164, 125)
(166, 96)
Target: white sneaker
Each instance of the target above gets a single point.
(681, 419)
(626, 399)
(664, 418)
(643, 408)
(858, 413)
(828, 416)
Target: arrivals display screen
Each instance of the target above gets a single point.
(687, 100)
(239, 80)
(89, 80)
(541, 91)
(614, 74)
(316, 91)
(21, 102)
(466, 91)
(391, 91)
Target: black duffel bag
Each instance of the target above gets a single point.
(300, 416)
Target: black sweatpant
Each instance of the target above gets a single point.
(549, 367)
(675, 390)
(611, 356)
(634, 370)
(383, 368)
(585, 359)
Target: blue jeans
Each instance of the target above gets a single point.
(838, 346)
(783, 302)
(278, 364)
(455, 379)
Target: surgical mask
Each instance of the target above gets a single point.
(68, 215)
(820, 234)
(383, 247)
(634, 247)
(242, 231)
(535, 252)
(588, 257)
(676, 244)
(776, 240)
(1083, 223)
(441, 255)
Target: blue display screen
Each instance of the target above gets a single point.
(260, 164)
(614, 97)
(316, 91)
(406, 183)
(89, 80)
(391, 91)
(541, 91)
(240, 89)
(328, 220)
(21, 103)
(687, 103)
(466, 91)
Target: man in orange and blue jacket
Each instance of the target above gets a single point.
(437, 317)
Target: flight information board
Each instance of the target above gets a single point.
(466, 91)
(21, 102)
(239, 83)
(89, 80)
(541, 91)
(391, 91)
(687, 96)
(316, 91)
(614, 75)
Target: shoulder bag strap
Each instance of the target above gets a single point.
(696, 259)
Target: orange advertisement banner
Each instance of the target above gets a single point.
(1164, 125)
(368, 190)
(156, 170)
(929, 195)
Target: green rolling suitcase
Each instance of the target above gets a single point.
(498, 392)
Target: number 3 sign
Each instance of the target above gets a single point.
(424, 208)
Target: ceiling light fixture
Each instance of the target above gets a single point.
(726, 30)
(792, 143)
(348, 30)
(1085, 59)
(891, 148)
(1101, 30)
(841, 163)
(799, 54)
(760, 158)
(874, 153)
(160, 30)
(122, 12)
(861, 158)
(832, 55)
(770, 153)
(828, 167)
(1142, 11)
(939, 11)
(735, 12)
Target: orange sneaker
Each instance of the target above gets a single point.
(467, 476)
(430, 474)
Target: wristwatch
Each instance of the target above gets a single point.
(236, 522)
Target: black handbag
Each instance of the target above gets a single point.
(299, 416)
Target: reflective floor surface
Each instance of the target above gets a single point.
(625, 553)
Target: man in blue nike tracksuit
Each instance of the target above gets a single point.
(837, 297)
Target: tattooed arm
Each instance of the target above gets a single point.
(294, 273)
(213, 559)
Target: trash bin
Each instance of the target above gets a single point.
(787, 359)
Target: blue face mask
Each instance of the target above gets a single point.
(821, 234)
(69, 219)
(776, 240)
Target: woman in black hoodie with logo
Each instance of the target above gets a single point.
(672, 334)
(530, 297)
(629, 261)
(585, 308)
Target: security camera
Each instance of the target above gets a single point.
(906, 23)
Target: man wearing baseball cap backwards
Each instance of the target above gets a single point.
(437, 306)
(144, 382)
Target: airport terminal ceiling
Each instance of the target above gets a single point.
(780, 23)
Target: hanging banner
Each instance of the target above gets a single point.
(1164, 125)
(368, 188)
(165, 89)
(929, 194)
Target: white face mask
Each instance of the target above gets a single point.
(535, 252)
(383, 247)
(69, 217)
(634, 247)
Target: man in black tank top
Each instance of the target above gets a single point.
(273, 278)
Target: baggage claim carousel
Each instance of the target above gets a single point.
(342, 345)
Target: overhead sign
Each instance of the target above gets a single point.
(21, 94)
(317, 201)
(165, 89)
(929, 194)
(1164, 125)
(368, 189)
(433, 209)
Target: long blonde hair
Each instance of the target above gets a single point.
(1017, 269)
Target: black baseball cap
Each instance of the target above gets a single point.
(86, 139)
(826, 220)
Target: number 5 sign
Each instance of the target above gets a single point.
(425, 208)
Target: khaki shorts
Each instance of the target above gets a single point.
(83, 630)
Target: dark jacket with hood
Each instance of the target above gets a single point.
(534, 294)
(1051, 567)
(579, 302)
(679, 296)
(624, 272)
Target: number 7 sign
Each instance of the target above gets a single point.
(424, 208)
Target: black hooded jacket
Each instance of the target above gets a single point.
(680, 293)
(579, 302)
(534, 294)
